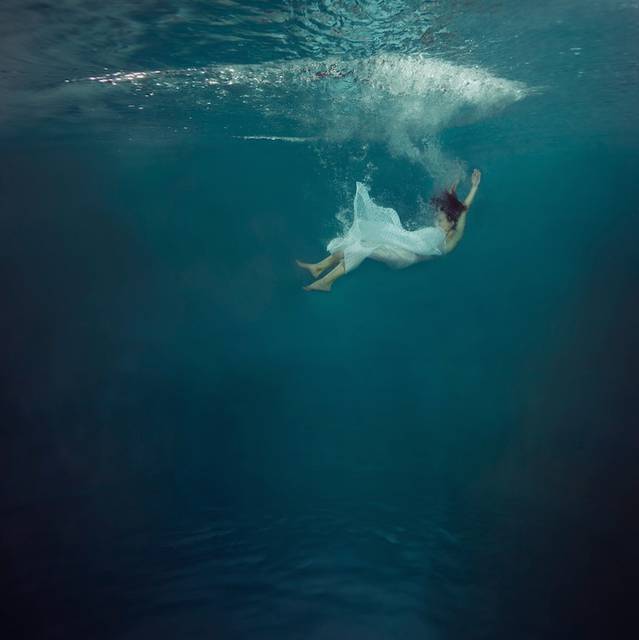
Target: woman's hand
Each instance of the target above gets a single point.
(475, 178)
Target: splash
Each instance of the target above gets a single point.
(405, 102)
(402, 101)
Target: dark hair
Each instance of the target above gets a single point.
(450, 204)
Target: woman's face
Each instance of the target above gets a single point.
(443, 222)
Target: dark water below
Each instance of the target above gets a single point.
(192, 447)
(196, 447)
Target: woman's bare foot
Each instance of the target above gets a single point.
(315, 269)
(318, 285)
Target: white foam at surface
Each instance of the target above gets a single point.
(402, 101)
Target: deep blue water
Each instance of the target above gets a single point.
(193, 447)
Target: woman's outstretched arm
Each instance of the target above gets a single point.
(456, 235)
(475, 179)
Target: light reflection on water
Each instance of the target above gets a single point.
(373, 568)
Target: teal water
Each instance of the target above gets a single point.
(194, 447)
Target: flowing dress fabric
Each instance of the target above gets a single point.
(377, 233)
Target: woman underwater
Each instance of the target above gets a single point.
(377, 233)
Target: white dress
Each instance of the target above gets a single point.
(377, 233)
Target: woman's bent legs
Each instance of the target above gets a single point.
(317, 268)
(325, 283)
